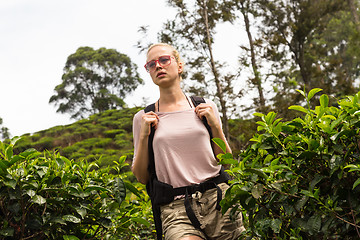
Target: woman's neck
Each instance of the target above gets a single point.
(172, 100)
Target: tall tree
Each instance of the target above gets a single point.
(251, 57)
(192, 32)
(4, 131)
(354, 12)
(95, 81)
(291, 30)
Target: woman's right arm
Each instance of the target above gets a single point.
(141, 132)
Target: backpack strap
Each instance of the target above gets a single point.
(152, 173)
(151, 167)
(196, 100)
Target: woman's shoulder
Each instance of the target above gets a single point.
(209, 101)
(139, 114)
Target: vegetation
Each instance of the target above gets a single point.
(102, 138)
(4, 131)
(296, 167)
(300, 179)
(47, 196)
(95, 81)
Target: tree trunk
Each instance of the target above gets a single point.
(219, 90)
(257, 80)
(354, 13)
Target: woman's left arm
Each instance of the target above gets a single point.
(210, 112)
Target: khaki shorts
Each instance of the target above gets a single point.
(176, 224)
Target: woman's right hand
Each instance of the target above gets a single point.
(148, 120)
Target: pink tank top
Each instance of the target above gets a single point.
(182, 148)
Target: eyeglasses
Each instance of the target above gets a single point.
(163, 61)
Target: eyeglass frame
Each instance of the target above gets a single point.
(157, 61)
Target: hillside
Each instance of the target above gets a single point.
(106, 136)
(102, 138)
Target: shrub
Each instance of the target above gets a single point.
(47, 196)
(300, 179)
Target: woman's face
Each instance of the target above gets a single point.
(166, 74)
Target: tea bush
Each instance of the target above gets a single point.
(47, 196)
(300, 179)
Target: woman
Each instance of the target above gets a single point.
(183, 154)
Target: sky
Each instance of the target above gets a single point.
(37, 36)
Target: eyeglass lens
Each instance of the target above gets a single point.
(163, 62)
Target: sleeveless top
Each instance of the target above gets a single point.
(182, 148)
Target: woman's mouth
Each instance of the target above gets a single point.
(160, 74)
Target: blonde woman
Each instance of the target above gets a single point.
(174, 157)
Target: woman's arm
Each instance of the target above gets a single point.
(141, 136)
(209, 111)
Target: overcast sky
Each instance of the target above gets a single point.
(37, 36)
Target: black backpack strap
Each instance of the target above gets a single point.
(152, 172)
(196, 100)
(151, 166)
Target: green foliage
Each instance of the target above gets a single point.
(300, 178)
(95, 81)
(102, 138)
(4, 131)
(47, 196)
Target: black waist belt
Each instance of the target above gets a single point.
(166, 194)
(200, 188)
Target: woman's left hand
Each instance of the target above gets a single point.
(207, 111)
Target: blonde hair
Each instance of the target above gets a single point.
(174, 51)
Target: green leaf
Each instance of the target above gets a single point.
(38, 199)
(329, 116)
(9, 152)
(7, 232)
(301, 92)
(257, 191)
(31, 193)
(10, 183)
(60, 162)
(81, 211)
(324, 100)
(3, 165)
(228, 161)
(298, 108)
(96, 188)
(71, 218)
(356, 183)
(313, 92)
(120, 190)
(141, 221)
(70, 237)
(276, 225)
(132, 189)
(220, 143)
(258, 114)
(257, 172)
(314, 223)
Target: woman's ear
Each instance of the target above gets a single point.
(180, 67)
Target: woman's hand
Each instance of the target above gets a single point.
(207, 111)
(148, 120)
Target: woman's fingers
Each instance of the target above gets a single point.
(150, 119)
(206, 110)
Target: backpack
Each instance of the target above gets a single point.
(162, 193)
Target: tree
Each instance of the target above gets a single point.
(192, 32)
(302, 51)
(95, 81)
(251, 57)
(4, 131)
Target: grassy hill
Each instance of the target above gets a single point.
(102, 138)
(106, 136)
